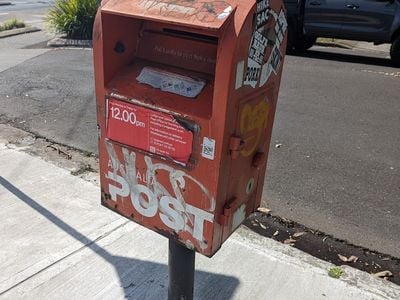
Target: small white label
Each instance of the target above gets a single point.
(239, 74)
(208, 148)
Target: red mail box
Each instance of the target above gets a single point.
(186, 95)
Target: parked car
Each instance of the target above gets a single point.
(376, 21)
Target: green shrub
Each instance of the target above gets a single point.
(12, 24)
(74, 18)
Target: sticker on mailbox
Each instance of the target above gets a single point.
(148, 130)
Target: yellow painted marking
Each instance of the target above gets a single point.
(253, 121)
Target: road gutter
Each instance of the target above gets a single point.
(12, 32)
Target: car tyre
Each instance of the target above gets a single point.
(395, 51)
(292, 36)
(304, 43)
(298, 43)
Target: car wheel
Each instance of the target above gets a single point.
(395, 52)
(299, 43)
(304, 43)
(292, 37)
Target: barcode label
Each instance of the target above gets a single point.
(208, 148)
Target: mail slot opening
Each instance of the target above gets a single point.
(161, 64)
(192, 35)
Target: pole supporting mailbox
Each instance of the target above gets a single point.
(186, 96)
(181, 272)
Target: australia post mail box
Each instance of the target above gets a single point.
(186, 95)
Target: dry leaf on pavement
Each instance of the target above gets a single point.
(276, 233)
(264, 210)
(383, 274)
(342, 257)
(299, 234)
(350, 259)
(289, 241)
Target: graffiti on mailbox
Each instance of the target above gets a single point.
(253, 122)
(150, 197)
(203, 11)
(264, 56)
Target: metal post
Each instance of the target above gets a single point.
(181, 272)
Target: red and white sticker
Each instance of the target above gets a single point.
(148, 130)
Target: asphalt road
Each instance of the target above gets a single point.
(32, 12)
(338, 169)
(338, 120)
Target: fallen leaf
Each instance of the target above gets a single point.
(383, 274)
(263, 226)
(299, 234)
(352, 259)
(264, 210)
(343, 258)
(276, 233)
(278, 145)
(386, 258)
(349, 259)
(289, 241)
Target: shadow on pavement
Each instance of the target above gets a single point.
(139, 279)
(344, 57)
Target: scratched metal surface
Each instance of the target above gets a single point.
(211, 14)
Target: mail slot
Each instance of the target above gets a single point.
(186, 95)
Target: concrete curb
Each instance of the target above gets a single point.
(63, 42)
(333, 44)
(12, 32)
(373, 287)
(345, 44)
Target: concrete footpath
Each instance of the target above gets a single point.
(57, 242)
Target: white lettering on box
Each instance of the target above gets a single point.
(153, 198)
(264, 56)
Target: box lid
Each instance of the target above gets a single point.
(202, 14)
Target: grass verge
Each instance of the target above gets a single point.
(12, 24)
